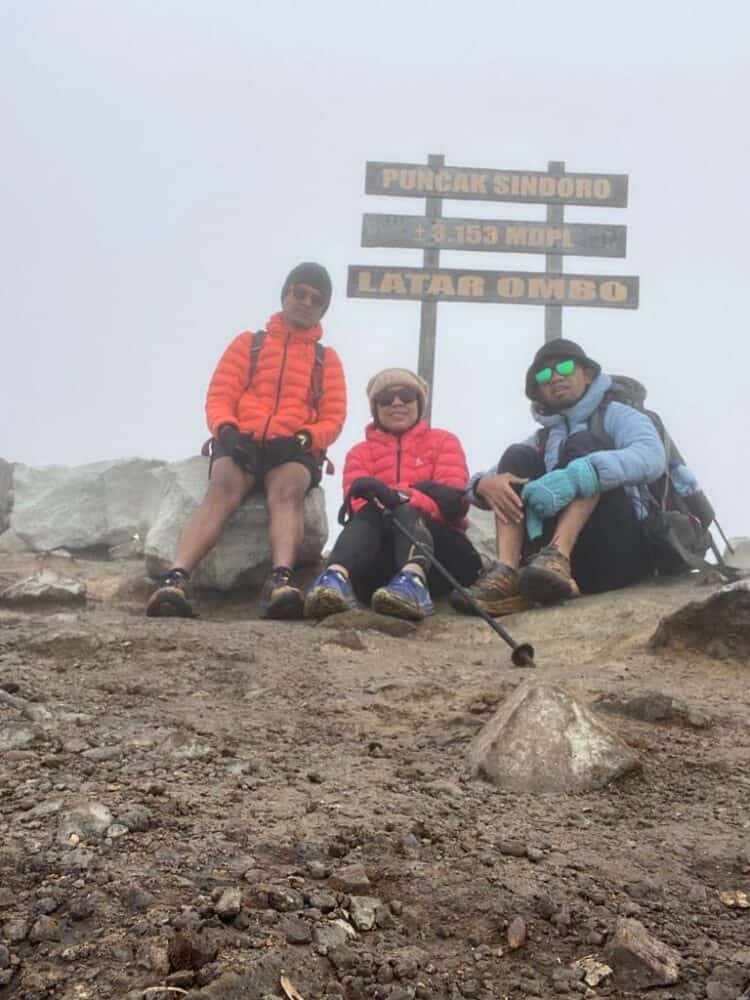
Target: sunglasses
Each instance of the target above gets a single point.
(406, 394)
(562, 368)
(307, 295)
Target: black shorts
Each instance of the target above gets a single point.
(313, 463)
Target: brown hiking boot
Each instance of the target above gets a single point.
(172, 597)
(495, 591)
(547, 578)
(279, 598)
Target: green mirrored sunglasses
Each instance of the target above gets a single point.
(562, 368)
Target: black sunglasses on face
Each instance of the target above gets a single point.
(406, 394)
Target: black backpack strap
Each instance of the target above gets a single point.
(256, 345)
(316, 379)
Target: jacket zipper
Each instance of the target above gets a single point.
(278, 389)
(398, 460)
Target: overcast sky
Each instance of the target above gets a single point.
(164, 165)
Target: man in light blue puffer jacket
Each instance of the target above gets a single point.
(566, 504)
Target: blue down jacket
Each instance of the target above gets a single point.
(637, 458)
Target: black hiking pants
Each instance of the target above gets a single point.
(611, 551)
(372, 549)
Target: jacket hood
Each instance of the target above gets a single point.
(581, 411)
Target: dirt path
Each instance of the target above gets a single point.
(244, 764)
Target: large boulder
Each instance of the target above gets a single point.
(242, 557)
(6, 494)
(739, 556)
(542, 740)
(481, 533)
(81, 507)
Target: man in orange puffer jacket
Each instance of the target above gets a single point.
(272, 413)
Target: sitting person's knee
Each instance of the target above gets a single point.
(225, 494)
(521, 460)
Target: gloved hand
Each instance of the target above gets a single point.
(451, 502)
(241, 447)
(283, 449)
(551, 493)
(369, 488)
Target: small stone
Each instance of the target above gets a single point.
(84, 819)
(363, 910)
(384, 975)
(318, 870)
(229, 904)
(138, 899)
(342, 957)
(284, 899)
(117, 830)
(44, 929)
(638, 959)
(511, 848)
(333, 934)
(80, 908)
(15, 931)
(296, 931)
(136, 818)
(190, 950)
(351, 879)
(323, 901)
(516, 933)
(4, 957)
(534, 854)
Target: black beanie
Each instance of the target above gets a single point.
(314, 275)
(557, 350)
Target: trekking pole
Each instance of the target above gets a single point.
(724, 537)
(523, 652)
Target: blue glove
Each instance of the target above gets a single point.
(551, 493)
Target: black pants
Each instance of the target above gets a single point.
(611, 551)
(372, 549)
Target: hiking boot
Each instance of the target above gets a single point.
(329, 594)
(547, 578)
(279, 598)
(405, 596)
(495, 591)
(172, 597)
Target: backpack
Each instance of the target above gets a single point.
(677, 523)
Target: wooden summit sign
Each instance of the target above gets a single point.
(521, 287)
(414, 180)
(432, 232)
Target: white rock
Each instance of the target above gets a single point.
(11, 544)
(740, 557)
(84, 819)
(362, 910)
(6, 493)
(243, 554)
(80, 507)
(45, 586)
(542, 740)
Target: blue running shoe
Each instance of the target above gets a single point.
(406, 596)
(329, 594)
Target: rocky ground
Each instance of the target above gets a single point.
(198, 808)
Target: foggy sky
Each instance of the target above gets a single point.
(164, 165)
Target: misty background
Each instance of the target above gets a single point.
(166, 163)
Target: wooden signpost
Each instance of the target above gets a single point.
(553, 237)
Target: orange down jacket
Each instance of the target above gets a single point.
(399, 460)
(279, 402)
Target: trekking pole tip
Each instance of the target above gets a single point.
(523, 655)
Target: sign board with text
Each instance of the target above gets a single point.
(414, 180)
(495, 235)
(520, 287)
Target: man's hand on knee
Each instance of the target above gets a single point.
(501, 496)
